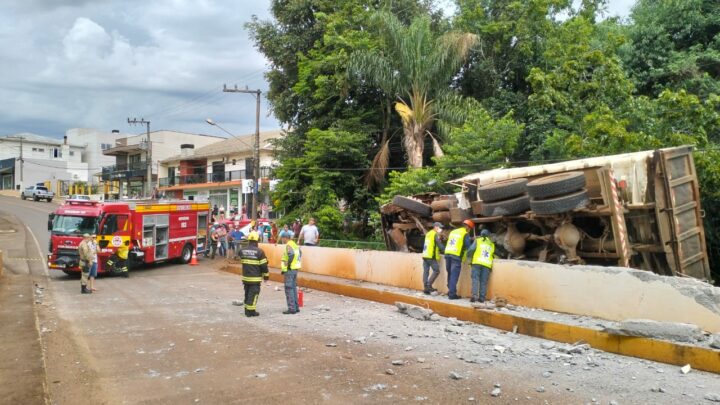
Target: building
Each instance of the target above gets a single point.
(94, 142)
(129, 170)
(27, 159)
(216, 172)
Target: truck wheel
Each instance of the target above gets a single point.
(502, 190)
(441, 216)
(512, 206)
(49, 200)
(443, 205)
(556, 185)
(186, 254)
(412, 205)
(557, 205)
(35, 198)
(458, 215)
(22, 196)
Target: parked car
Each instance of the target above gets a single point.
(80, 197)
(37, 193)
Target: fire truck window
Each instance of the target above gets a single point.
(115, 223)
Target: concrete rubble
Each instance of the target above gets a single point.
(414, 311)
(679, 332)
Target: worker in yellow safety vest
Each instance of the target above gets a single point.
(291, 262)
(431, 256)
(455, 250)
(481, 254)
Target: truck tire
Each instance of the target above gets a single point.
(186, 254)
(49, 200)
(22, 196)
(443, 205)
(458, 215)
(557, 205)
(556, 185)
(441, 216)
(412, 205)
(511, 206)
(476, 207)
(502, 190)
(35, 198)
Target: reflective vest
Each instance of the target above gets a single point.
(455, 242)
(430, 248)
(484, 251)
(123, 251)
(296, 263)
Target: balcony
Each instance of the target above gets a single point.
(124, 171)
(218, 177)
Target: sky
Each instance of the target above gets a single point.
(96, 63)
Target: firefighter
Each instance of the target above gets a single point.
(255, 270)
(86, 253)
(290, 264)
(118, 262)
(431, 255)
(455, 251)
(481, 254)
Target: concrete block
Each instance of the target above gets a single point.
(414, 311)
(679, 332)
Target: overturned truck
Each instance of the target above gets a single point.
(639, 210)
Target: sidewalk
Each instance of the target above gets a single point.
(22, 372)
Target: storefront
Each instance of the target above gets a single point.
(7, 174)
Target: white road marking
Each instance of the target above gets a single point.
(40, 252)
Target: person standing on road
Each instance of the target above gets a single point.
(309, 234)
(455, 251)
(86, 259)
(222, 240)
(290, 264)
(254, 270)
(214, 240)
(481, 254)
(431, 255)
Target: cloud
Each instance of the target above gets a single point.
(74, 63)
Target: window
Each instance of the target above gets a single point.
(41, 149)
(114, 223)
(56, 153)
(105, 146)
(72, 153)
(35, 149)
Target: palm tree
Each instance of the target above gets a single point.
(414, 69)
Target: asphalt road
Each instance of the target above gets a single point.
(170, 335)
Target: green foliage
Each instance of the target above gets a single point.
(315, 183)
(675, 45)
(480, 143)
(415, 181)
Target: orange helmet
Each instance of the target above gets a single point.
(469, 223)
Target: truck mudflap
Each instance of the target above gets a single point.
(677, 198)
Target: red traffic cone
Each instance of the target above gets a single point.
(193, 260)
(300, 298)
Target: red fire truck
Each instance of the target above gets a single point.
(157, 231)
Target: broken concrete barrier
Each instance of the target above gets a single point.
(414, 311)
(679, 332)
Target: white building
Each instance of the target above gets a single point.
(26, 159)
(130, 154)
(94, 142)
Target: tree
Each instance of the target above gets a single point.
(414, 66)
(674, 45)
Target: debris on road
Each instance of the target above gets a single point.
(495, 392)
(455, 375)
(414, 311)
(679, 332)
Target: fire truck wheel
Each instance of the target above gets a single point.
(186, 254)
(502, 190)
(556, 185)
(71, 274)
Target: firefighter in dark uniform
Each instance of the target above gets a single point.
(255, 270)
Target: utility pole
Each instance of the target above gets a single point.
(148, 154)
(22, 161)
(256, 149)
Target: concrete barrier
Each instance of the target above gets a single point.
(610, 293)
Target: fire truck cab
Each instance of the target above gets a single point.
(154, 231)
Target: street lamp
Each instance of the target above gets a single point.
(256, 175)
